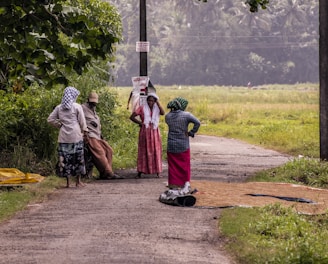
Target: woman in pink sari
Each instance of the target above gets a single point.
(150, 142)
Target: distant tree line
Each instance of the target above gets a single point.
(221, 42)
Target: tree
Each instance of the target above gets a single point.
(43, 40)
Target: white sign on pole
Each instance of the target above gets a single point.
(142, 46)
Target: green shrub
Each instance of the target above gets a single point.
(25, 132)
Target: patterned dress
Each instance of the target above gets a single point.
(69, 118)
(149, 147)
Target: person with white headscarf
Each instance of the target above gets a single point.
(69, 118)
(150, 142)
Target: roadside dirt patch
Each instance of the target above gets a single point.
(122, 221)
(303, 199)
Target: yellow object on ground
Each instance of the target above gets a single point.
(15, 176)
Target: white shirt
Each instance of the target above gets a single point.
(71, 123)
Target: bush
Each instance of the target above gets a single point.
(25, 137)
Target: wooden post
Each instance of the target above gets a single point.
(143, 37)
(323, 62)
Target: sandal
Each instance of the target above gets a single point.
(115, 176)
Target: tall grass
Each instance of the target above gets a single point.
(275, 234)
(283, 118)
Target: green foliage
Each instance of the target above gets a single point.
(24, 116)
(39, 40)
(254, 4)
(312, 172)
(275, 234)
(25, 137)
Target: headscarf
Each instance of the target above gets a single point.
(69, 97)
(153, 95)
(154, 117)
(178, 103)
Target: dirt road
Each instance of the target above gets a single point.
(122, 221)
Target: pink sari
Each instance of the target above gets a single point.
(179, 168)
(149, 148)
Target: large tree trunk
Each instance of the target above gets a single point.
(323, 53)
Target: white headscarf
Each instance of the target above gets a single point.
(69, 97)
(151, 117)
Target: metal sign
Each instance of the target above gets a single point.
(142, 46)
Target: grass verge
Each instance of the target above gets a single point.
(16, 198)
(274, 234)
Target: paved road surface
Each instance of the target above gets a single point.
(122, 221)
(230, 160)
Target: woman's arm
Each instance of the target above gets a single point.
(161, 110)
(134, 119)
(53, 118)
(195, 127)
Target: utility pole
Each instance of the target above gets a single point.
(323, 62)
(143, 38)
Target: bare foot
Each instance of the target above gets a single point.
(80, 184)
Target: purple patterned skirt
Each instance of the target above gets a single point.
(71, 159)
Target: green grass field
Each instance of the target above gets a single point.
(279, 117)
